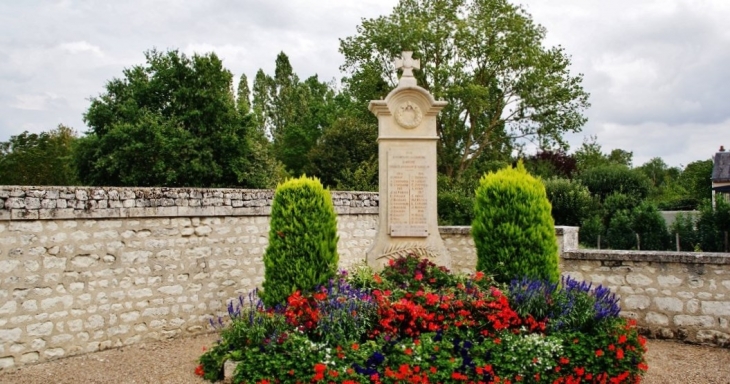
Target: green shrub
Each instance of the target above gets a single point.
(513, 230)
(712, 225)
(651, 227)
(589, 231)
(608, 179)
(620, 234)
(302, 251)
(455, 207)
(684, 225)
(571, 202)
(619, 202)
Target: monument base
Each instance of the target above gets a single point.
(387, 249)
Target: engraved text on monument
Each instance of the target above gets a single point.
(407, 213)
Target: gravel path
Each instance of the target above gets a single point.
(173, 361)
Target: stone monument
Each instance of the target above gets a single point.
(407, 141)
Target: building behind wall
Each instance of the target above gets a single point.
(721, 176)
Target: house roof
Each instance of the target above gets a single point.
(721, 167)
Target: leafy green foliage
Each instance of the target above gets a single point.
(513, 230)
(605, 180)
(302, 250)
(487, 58)
(172, 122)
(39, 159)
(696, 179)
(292, 112)
(590, 155)
(684, 225)
(712, 225)
(590, 230)
(347, 146)
(570, 200)
(455, 207)
(651, 227)
(620, 234)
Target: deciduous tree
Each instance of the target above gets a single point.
(488, 59)
(170, 122)
(38, 159)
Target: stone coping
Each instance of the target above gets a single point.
(466, 230)
(49, 203)
(648, 256)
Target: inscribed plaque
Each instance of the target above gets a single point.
(407, 204)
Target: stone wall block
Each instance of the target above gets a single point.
(635, 302)
(670, 304)
(716, 308)
(81, 194)
(15, 203)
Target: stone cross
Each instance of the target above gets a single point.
(407, 63)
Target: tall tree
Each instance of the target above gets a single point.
(261, 106)
(621, 157)
(39, 159)
(295, 112)
(345, 147)
(655, 169)
(170, 122)
(243, 99)
(696, 178)
(488, 60)
(590, 155)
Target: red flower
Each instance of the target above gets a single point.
(199, 370)
(355, 346)
(622, 339)
(599, 353)
(620, 354)
(319, 367)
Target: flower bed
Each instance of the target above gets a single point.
(417, 323)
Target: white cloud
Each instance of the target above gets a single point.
(31, 102)
(81, 47)
(656, 69)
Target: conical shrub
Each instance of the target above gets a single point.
(513, 230)
(302, 250)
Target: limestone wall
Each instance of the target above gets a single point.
(84, 269)
(682, 295)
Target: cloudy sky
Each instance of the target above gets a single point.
(657, 70)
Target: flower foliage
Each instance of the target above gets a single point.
(417, 323)
(572, 304)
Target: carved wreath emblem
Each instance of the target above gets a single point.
(408, 115)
